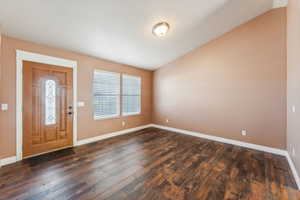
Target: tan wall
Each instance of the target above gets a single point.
(87, 127)
(235, 82)
(293, 70)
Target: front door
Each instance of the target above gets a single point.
(47, 108)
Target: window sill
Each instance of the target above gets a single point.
(130, 114)
(117, 116)
(108, 117)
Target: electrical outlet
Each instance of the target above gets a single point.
(293, 109)
(244, 132)
(293, 152)
(167, 120)
(123, 123)
(290, 148)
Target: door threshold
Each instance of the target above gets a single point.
(39, 154)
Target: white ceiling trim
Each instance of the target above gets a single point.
(280, 3)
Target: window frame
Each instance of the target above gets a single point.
(118, 99)
(140, 96)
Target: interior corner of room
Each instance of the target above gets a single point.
(233, 86)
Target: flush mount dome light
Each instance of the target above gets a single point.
(160, 29)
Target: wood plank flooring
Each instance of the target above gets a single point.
(150, 164)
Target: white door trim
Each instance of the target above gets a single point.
(34, 57)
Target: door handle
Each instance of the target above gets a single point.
(70, 113)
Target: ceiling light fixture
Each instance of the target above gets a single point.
(161, 29)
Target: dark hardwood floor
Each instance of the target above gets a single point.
(150, 164)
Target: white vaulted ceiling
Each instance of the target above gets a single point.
(121, 30)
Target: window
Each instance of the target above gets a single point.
(106, 89)
(50, 102)
(131, 95)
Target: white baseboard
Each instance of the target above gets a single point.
(7, 161)
(224, 140)
(239, 143)
(294, 170)
(109, 135)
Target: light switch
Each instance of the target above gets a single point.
(244, 132)
(80, 104)
(4, 107)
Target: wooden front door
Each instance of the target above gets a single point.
(47, 108)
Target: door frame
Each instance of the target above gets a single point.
(35, 57)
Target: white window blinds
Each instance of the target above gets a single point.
(131, 95)
(106, 89)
